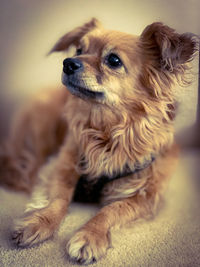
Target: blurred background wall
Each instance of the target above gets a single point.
(28, 30)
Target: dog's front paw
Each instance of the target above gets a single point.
(87, 246)
(31, 230)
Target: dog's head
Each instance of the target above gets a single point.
(116, 68)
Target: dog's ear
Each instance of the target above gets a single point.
(73, 37)
(166, 49)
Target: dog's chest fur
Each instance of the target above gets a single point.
(105, 151)
(102, 146)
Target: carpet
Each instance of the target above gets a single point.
(172, 238)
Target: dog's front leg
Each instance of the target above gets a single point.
(40, 224)
(92, 241)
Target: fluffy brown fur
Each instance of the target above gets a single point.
(116, 118)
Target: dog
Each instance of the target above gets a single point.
(107, 136)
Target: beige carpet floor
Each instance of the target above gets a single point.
(171, 239)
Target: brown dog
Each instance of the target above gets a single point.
(111, 134)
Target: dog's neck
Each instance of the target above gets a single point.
(109, 141)
(103, 118)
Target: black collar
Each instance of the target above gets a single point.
(90, 191)
(127, 171)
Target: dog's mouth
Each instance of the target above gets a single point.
(86, 92)
(81, 91)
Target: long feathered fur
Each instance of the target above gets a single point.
(98, 137)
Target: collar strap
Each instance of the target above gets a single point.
(90, 191)
(127, 171)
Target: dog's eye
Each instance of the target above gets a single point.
(78, 51)
(113, 61)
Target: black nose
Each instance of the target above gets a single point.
(72, 65)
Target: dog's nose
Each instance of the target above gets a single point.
(72, 65)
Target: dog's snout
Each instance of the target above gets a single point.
(72, 65)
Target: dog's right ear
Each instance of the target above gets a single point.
(73, 37)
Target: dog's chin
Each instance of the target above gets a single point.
(81, 91)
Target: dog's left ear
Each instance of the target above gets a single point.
(73, 37)
(166, 49)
